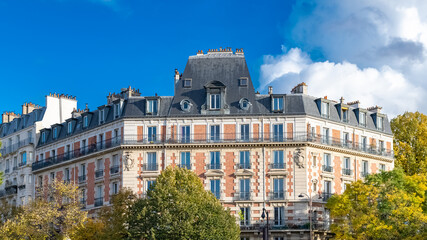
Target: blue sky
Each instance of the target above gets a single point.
(371, 51)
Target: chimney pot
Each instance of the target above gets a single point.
(270, 90)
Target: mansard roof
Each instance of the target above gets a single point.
(18, 124)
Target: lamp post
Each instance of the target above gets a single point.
(265, 229)
(310, 214)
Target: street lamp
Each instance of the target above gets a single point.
(310, 214)
(265, 229)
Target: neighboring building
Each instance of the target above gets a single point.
(17, 135)
(251, 150)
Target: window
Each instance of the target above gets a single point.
(313, 132)
(279, 216)
(215, 133)
(215, 102)
(278, 188)
(52, 176)
(278, 160)
(85, 122)
(185, 160)
(364, 144)
(41, 156)
(150, 184)
(277, 104)
(245, 189)
(83, 197)
(365, 168)
(101, 116)
(244, 160)
(325, 137)
(381, 146)
(327, 162)
(152, 131)
(151, 161)
(325, 109)
(315, 186)
(215, 187)
(380, 123)
(362, 118)
(314, 160)
(185, 105)
(55, 133)
(278, 132)
(67, 175)
(244, 104)
(185, 134)
(382, 167)
(152, 107)
(187, 83)
(345, 115)
(99, 168)
(243, 82)
(43, 137)
(215, 161)
(327, 190)
(244, 132)
(115, 188)
(53, 154)
(24, 158)
(116, 110)
(82, 172)
(346, 168)
(245, 216)
(99, 201)
(70, 127)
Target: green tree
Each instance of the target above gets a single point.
(388, 205)
(410, 142)
(178, 207)
(55, 218)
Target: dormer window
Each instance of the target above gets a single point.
(362, 118)
(215, 102)
(277, 104)
(185, 105)
(380, 123)
(325, 109)
(152, 106)
(243, 82)
(187, 83)
(69, 127)
(116, 110)
(101, 116)
(55, 133)
(345, 115)
(244, 104)
(43, 137)
(85, 121)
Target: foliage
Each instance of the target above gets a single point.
(8, 211)
(410, 142)
(178, 207)
(57, 218)
(388, 205)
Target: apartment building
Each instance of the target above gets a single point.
(17, 135)
(254, 151)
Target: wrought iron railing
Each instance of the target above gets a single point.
(114, 170)
(327, 168)
(99, 173)
(82, 179)
(244, 195)
(186, 166)
(276, 195)
(326, 196)
(150, 167)
(347, 171)
(215, 166)
(244, 166)
(99, 201)
(277, 166)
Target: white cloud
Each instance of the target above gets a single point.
(371, 50)
(384, 87)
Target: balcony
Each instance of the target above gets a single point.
(347, 172)
(278, 166)
(99, 173)
(327, 168)
(15, 168)
(82, 179)
(244, 166)
(244, 196)
(186, 166)
(216, 166)
(99, 201)
(21, 187)
(11, 189)
(150, 167)
(7, 170)
(326, 196)
(276, 196)
(14, 147)
(364, 173)
(83, 203)
(114, 170)
(21, 164)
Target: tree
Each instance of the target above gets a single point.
(388, 205)
(56, 217)
(178, 207)
(410, 142)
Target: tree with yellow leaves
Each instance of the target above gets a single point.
(388, 205)
(410, 142)
(55, 217)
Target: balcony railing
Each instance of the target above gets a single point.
(257, 137)
(277, 166)
(82, 178)
(244, 166)
(244, 196)
(186, 166)
(283, 224)
(276, 196)
(327, 168)
(14, 147)
(114, 170)
(83, 203)
(364, 173)
(326, 196)
(22, 164)
(99, 201)
(150, 167)
(21, 187)
(7, 170)
(99, 173)
(347, 171)
(216, 166)
(15, 168)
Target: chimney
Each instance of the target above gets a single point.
(354, 104)
(270, 90)
(28, 108)
(9, 116)
(300, 88)
(5, 117)
(177, 75)
(342, 100)
(375, 109)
